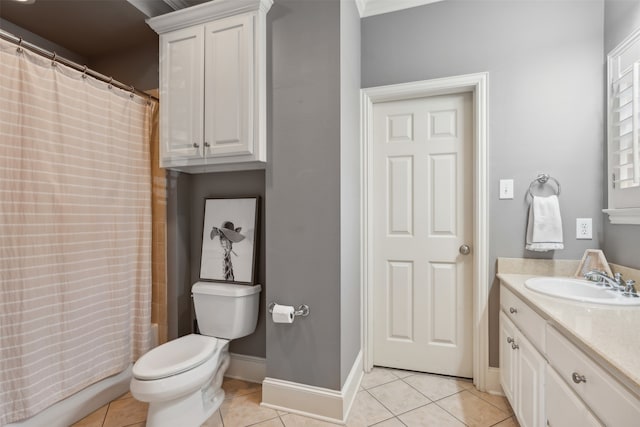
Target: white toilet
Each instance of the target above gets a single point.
(182, 379)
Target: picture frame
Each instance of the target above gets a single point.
(229, 240)
(593, 259)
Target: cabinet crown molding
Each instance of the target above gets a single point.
(206, 12)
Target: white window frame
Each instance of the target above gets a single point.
(623, 152)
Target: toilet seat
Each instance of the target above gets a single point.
(175, 357)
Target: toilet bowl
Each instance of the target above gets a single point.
(182, 379)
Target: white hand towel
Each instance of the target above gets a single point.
(544, 228)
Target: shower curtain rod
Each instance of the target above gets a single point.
(55, 58)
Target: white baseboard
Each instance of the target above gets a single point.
(493, 382)
(315, 402)
(248, 368)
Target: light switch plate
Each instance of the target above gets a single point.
(506, 189)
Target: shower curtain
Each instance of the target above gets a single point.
(75, 231)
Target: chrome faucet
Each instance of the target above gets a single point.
(601, 278)
(616, 283)
(630, 289)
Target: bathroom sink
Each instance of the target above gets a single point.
(578, 290)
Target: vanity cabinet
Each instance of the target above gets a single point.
(213, 86)
(521, 363)
(609, 400)
(549, 380)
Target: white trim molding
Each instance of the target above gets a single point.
(492, 382)
(247, 368)
(623, 216)
(477, 85)
(314, 402)
(377, 7)
(206, 12)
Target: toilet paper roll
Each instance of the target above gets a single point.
(283, 314)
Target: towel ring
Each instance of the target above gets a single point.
(542, 179)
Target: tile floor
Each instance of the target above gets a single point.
(387, 398)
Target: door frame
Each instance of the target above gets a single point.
(477, 85)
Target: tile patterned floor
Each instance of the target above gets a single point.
(387, 398)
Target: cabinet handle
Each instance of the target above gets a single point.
(513, 310)
(514, 346)
(577, 378)
(206, 144)
(196, 145)
(509, 340)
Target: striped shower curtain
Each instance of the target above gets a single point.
(75, 231)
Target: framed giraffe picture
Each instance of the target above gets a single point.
(229, 240)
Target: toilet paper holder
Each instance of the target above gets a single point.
(302, 310)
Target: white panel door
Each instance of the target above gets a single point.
(423, 201)
(228, 64)
(181, 92)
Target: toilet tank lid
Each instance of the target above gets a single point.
(224, 289)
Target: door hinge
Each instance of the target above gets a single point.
(613, 180)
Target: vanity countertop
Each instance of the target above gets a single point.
(608, 334)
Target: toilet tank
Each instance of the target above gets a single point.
(226, 310)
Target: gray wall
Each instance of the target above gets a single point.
(186, 196)
(220, 185)
(310, 236)
(349, 185)
(178, 255)
(137, 67)
(545, 66)
(621, 18)
(41, 42)
(303, 190)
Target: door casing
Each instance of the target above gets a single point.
(484, 378)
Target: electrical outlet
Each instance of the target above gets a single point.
(584, 228)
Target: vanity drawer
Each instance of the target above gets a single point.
(607, 398)
(563, 406)
(523, 316)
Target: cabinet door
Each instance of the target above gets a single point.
(181, 95)
(529, 384)
(563, 407)
(507, 357)
(229, 50)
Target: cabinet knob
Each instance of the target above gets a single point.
(514, 346)
(206, 144)
(196, 145)
(513, 310)
(509, 340)
(577, 378)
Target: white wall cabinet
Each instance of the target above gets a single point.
(213, 86)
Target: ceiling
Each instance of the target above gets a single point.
(90, 28)
(96, 28)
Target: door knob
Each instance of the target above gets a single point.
(465, 250)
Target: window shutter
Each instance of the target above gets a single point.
(623, 135)
(625, 124)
